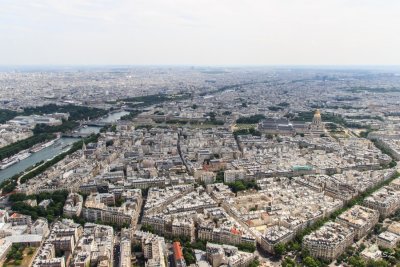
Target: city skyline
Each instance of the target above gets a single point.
(199, 133)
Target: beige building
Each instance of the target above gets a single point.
(233, 175)
(329, 241)
(386, 200)
(360, 218)
(387, 239)
(19, 219)
(125, 248)
(96, 208)
(223, 235)
(153, 247)
(73, 205)
(183, 227)
(394, 228)
(95, 246)
(275, 235)
(391, 237)
(54, 262)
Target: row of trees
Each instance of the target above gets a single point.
(247, 247)
(251, 119)
(365, 117)
(275, 108)
(223, 88)
(147, 228)
(65, 126)
(247, 131)
(6, 115)
(386, 151)
(231, 87)
(132, 114)
(76, 113)
(307, 261)
(148, 100)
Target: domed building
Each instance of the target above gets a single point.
(317, 126)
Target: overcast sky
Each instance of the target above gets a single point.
(200, 32)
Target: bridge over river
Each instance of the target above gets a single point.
(97, 123)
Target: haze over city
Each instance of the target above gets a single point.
(199, 32)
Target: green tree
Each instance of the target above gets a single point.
(6, 115)
(310, 262)
(279, 249)
(188, 255)
(147, 228)
(247, 247)
(254, 263)
(30, 251)
(356, 261)
(288, 262)
(251, 119)
(378, 263)
(219, 177)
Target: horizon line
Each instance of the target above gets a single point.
(200, 65)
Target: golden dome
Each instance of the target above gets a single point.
(317, 113)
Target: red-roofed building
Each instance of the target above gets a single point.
(20, 219)
(235, 231)
(178, 255)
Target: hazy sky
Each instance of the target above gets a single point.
(201, 32)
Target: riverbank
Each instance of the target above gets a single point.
(49, 151)
(15, 148)
(9, 185)
(44, 132)
(60, 146)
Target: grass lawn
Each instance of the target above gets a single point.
(27, 257)
(239, 126)
(341, 134)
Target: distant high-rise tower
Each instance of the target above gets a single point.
(83, 150)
